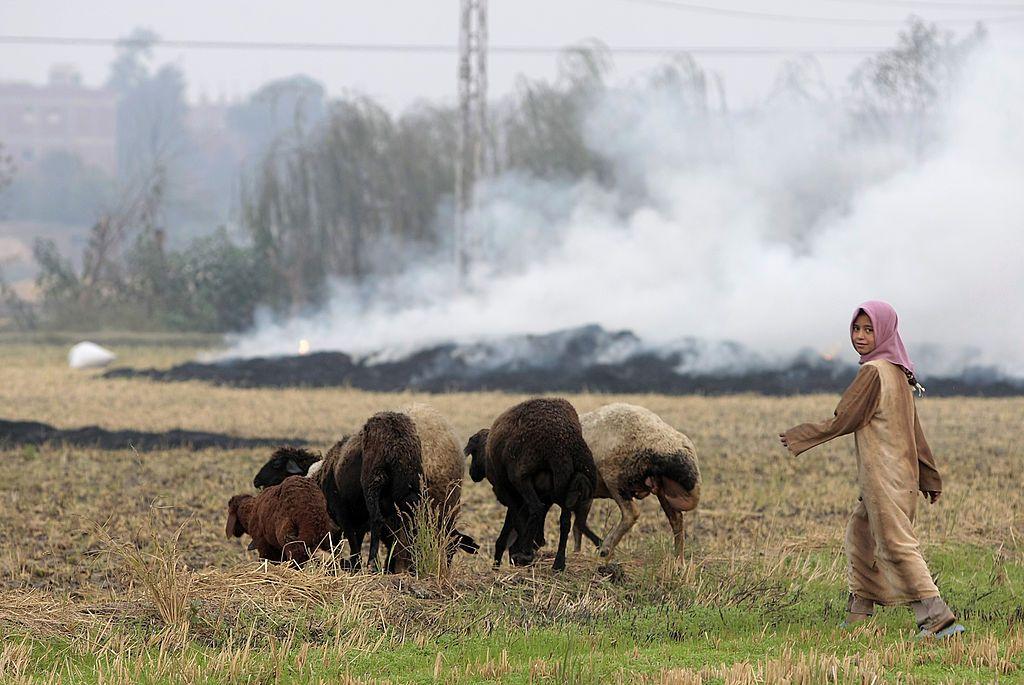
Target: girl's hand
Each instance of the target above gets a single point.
(782, 439)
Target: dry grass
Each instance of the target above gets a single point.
(123, 555)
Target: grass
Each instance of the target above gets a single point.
(114, 566)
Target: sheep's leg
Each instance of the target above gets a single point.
(372, 493)
(355, 547)
(534, 510)
(581, 528)
(675, 519)
(501, 544)
(564, 524)
(630, 513)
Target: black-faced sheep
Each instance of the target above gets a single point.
(638, 454)
(391, 476)
(285, 461)
(534, 456)
(286, 521)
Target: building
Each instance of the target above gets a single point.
(62, 115)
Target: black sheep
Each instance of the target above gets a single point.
(392, 478)
(285, 461)
(534, 456)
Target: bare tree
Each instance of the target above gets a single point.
(895, 91)
(6, 168)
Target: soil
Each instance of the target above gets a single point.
(17, 433)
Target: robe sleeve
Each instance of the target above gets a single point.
(856, 407)
(929, 479)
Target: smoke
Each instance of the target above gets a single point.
(764, 227)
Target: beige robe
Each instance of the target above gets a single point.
(884, 562)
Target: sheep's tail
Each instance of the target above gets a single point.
(580, 490)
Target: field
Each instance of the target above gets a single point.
(114, 566)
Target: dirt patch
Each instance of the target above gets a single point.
(17, 433)
(585, 359)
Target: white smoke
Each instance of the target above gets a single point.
(765, 228)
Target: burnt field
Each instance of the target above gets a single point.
(586, 359)
(114, 566)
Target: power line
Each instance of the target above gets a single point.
(438, 48)
(803, 19)
(935, 4)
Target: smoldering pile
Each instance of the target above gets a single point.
(588, 358)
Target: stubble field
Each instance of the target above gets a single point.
(114, 566)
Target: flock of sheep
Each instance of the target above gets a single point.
(536, 454)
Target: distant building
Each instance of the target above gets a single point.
(208, 127)
(62, 115)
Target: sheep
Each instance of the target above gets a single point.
(443, 467)
(638, 454)
(534, 456)
(391, 477)
(286, 521)
(285, 461)
(339, 479)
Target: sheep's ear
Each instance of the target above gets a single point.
(293, 468)
(229, 530)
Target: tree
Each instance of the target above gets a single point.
(6, 168)
(283, 106)
(541, 128)
(896, 90)
(60, 188)
(151, 106)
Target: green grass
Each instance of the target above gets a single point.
(788, 618)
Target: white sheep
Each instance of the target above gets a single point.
(638, 454)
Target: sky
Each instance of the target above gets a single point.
(400, 79)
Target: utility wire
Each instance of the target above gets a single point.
(431, 47)
(935, 4)
(802, 19)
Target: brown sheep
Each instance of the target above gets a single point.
(286, 521)
(638, 454)
(534, 456)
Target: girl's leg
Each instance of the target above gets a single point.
(862, 573)
(934, 619)
(858, 610)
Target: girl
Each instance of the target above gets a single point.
(884, 562)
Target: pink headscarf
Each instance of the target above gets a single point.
(888, 344)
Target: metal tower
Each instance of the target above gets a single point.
(470, 156)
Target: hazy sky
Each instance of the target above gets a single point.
(398, 79)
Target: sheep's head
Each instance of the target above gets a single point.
(236, 525)
(673, 493)
(286, 461)
(476, 449)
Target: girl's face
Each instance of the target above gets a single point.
(862, 334)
